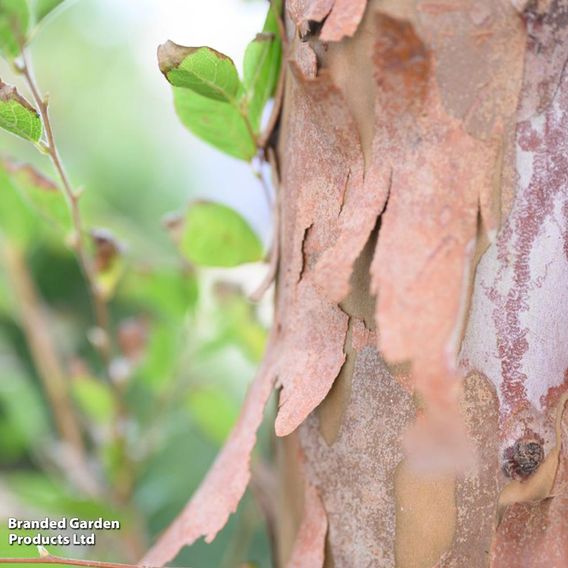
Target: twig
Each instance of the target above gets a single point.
(275, 248)
(125, 482)
(99, 304)
(280, 24)
(46, 361)
(266, 190)
(50, 559)
(257, 295)
(264, 137)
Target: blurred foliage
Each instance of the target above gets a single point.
(230, 241)
(154, 396)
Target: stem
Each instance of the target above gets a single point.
(50, 559)
(266, 190)
(256, 296)
(99, 305)
(248, 125)
(264, 138)
(39, 337)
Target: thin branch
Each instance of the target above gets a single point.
(265, 188)
(264, 137)
(257, 295)
(50, 559)
(274, 259)
(39, 337)
(280, 24)
(124, 484)
(99, 304)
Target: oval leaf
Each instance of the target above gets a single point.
(28, 200)
(17, 115)
(40, 193)
(261, 68)
(215, 122)
(201, 69)
(216, 235)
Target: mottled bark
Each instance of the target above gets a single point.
(424, 192)
(419, 344)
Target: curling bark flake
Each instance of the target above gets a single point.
(423, 150)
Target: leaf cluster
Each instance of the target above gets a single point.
(212, 101)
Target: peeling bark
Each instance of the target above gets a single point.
(464, 180)
(421, 288)
(308, 551)
(225, 484)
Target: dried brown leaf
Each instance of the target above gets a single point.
(107, 249)
(32, 176)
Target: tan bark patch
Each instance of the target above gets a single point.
(478, 488)
(425, 516)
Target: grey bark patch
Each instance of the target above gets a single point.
(359, 497)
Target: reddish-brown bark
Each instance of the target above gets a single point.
(421, 288)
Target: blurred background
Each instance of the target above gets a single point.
(187, 339)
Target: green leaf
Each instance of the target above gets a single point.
(218, 123)
(40, 193)
(214, 412)
(17, 115)
(167, 292)
(201, 69)
(94, 398)
(52, 496)
(23, 413)
(216, 235)
(29, 200)
(43, 8)
(164, 347)
(261, 68)
(16, 219)
(14, 24)
(237, 323)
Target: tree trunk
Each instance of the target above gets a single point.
(424, 163)
(419, 336)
